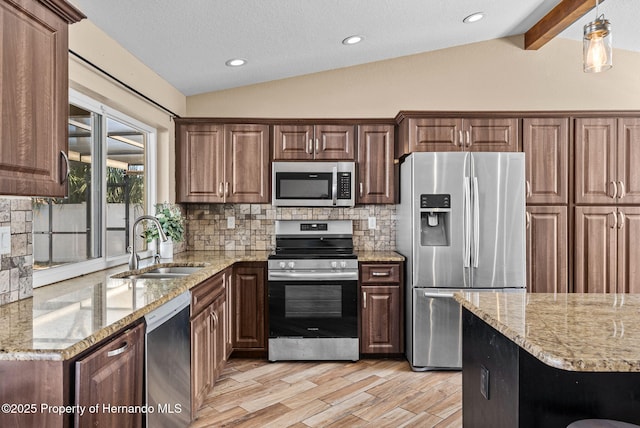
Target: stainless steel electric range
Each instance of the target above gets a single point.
(312, 292)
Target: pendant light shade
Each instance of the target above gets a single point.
(596, 45)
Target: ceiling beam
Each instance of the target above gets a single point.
(553, 23)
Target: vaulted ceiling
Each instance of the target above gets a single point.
(187, 43)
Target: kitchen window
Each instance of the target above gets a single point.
(111, 182)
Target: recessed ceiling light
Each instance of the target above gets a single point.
(236, 62)
(352, 40)
(474, 17)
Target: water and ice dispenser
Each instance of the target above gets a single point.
(435, 213)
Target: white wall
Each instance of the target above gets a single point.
(493, 75)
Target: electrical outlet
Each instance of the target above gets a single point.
(372, 222)
(5, 240)
(231, 222)
(484, 382)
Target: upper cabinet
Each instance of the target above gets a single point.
(34, 80)
(218, 163)
(545, 142)
(375, 165)
(607, 155)
(432, 134)
(309, 142)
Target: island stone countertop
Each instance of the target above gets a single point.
(64, 319)
(574, 332)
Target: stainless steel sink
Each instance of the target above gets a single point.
(165, 272)
(177, 270)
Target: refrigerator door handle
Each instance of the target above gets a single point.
(476, 223)
(466, 225)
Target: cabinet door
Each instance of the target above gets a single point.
(628, 165)
(249, 303)
(434, 135)
(334, 142)
(546, 146)
(200, 163)
(375, 164)
(201, 362)
(34, 105)
(293, 142)
(595, 249)
(380, 328)
(113, 375)
(628, 250)
(547, 269)
(247, 163)
(491, 135)
(595, 161)
(218, 349)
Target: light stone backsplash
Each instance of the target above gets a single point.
(16, 268)
(255, 225)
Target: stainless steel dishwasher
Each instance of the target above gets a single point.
(168, 364)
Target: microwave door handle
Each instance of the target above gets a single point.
(334, 186)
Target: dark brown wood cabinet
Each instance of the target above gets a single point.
(606, 251)
(445, 134)
(313, 142)
(218, 163)
(112, 374)
(547, 252)
(545, 142)
(34, 79)
(208, 336)
(606, 157)
(249, 303)
(381, 308)
(375, 164)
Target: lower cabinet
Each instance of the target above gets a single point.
(208, 336)
(112, 375)
(607, 254)
(381, 308)
(249, 303)
(547, 253)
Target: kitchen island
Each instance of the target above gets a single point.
(546, 360)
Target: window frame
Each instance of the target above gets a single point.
(71, 270)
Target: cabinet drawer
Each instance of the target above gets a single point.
(380, 273)
(203, 294)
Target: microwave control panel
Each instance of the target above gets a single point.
(344, 185)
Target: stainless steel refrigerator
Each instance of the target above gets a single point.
(461, 226)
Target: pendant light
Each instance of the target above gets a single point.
(596, 45)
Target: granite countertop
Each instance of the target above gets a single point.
(64, 319)
(575, 332)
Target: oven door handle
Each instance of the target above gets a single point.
(311, 276)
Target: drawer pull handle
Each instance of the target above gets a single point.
(118, 351)
(380, 273)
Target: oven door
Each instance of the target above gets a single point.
(312, 308)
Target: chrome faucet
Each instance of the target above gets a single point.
(134, 258)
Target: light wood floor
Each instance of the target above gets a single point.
(367, 393)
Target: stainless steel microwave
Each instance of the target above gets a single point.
(313, 184)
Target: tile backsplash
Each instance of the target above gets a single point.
(208, 225)
(16, 268)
